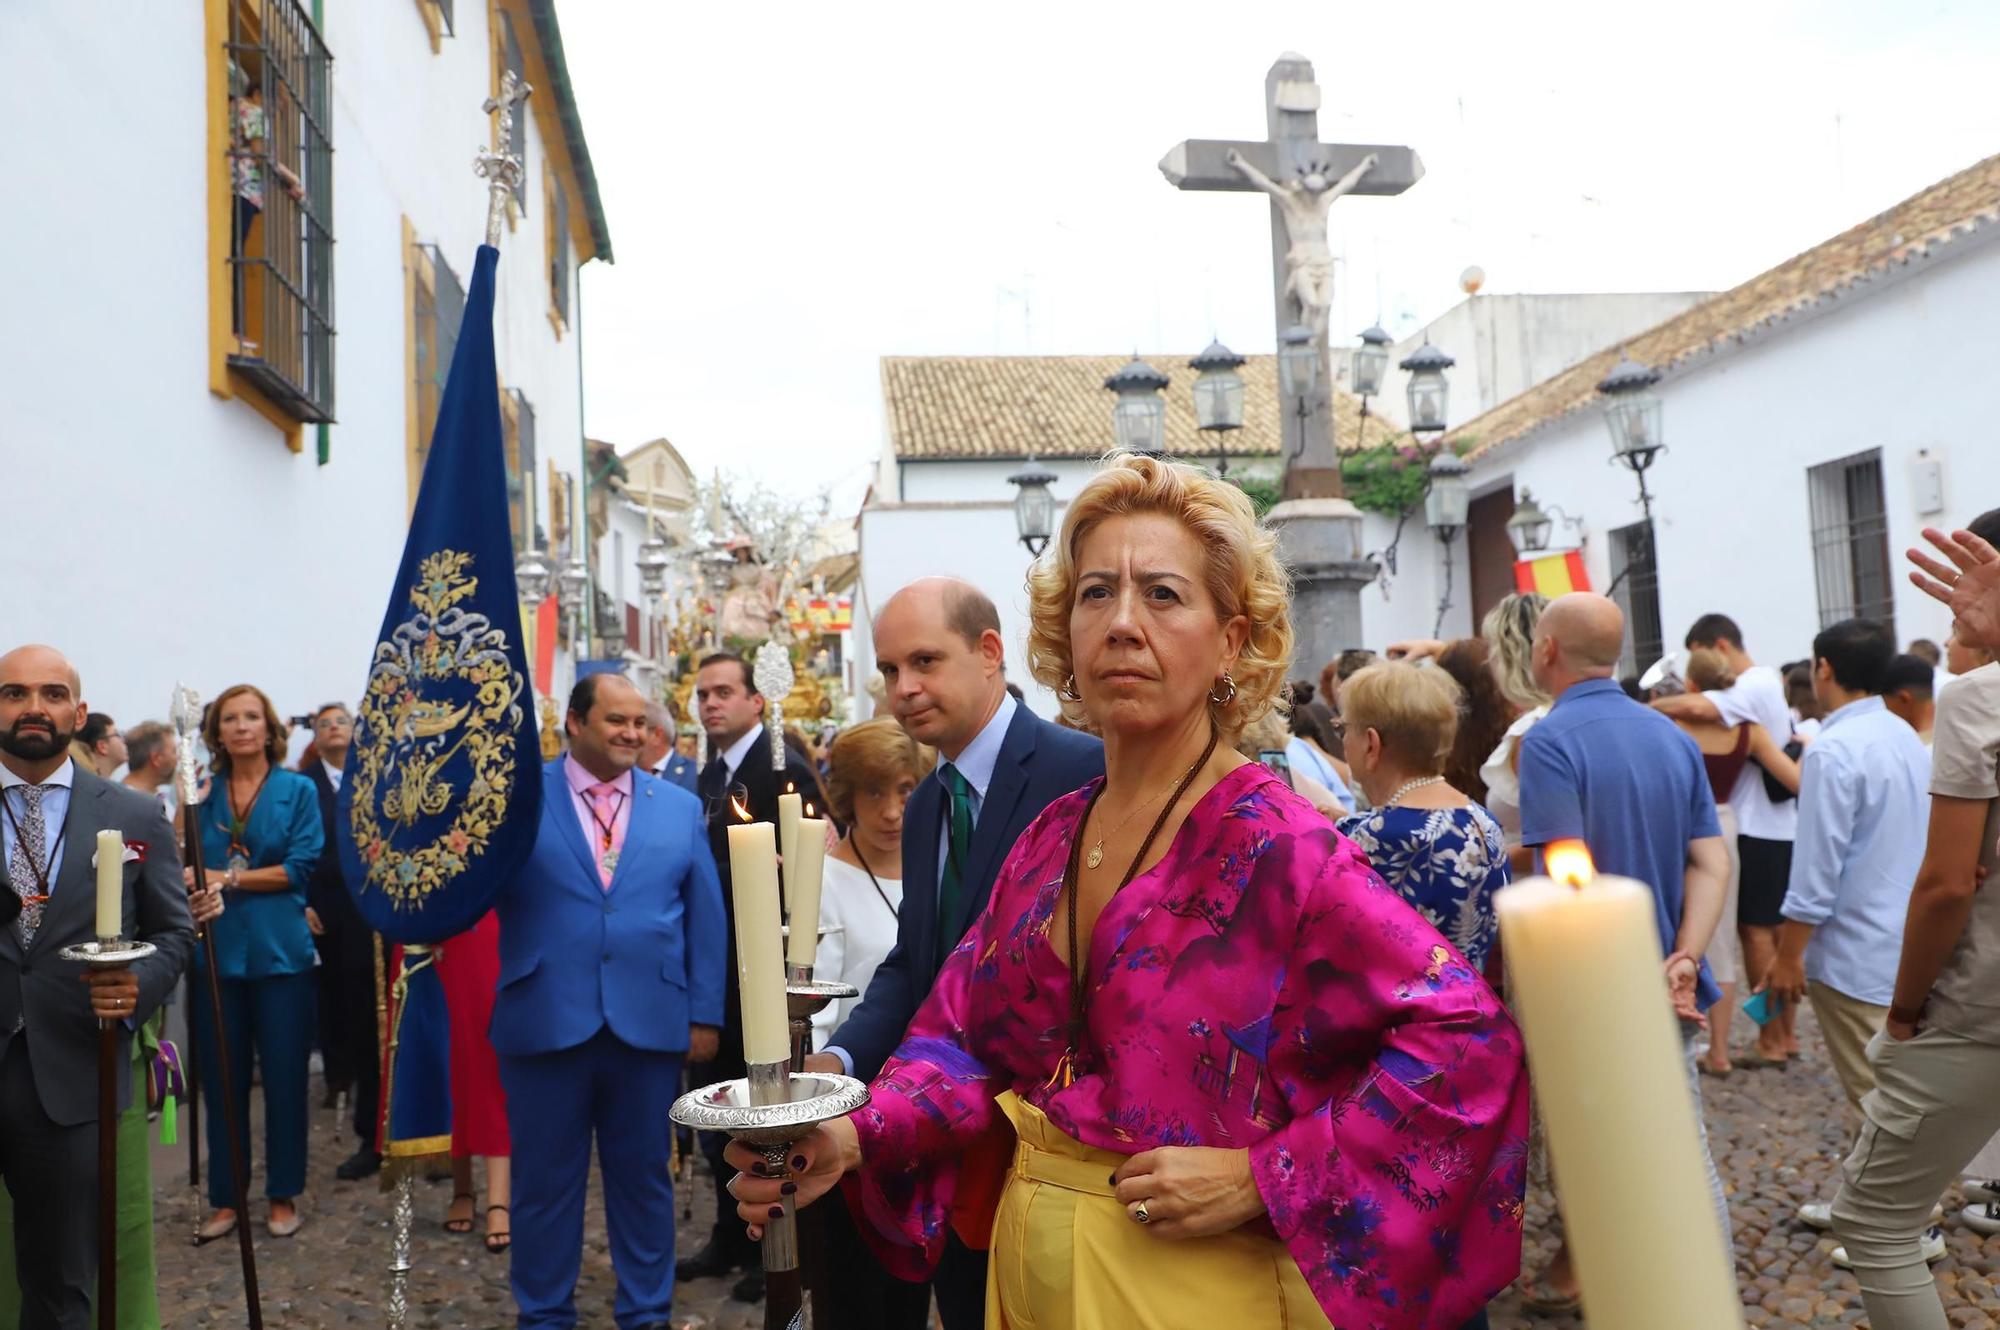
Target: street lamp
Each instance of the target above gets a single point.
(1428, 392)
(1298, 361)
(1139, 420)
(1529, 527)
(1218, 397)
(572, 585)
(1445, 506)
(1633, 412)
(1034, 506)
(531, 576)
(1371, 362)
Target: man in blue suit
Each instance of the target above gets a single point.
(939, 649)
(611, 958)
(658, 755)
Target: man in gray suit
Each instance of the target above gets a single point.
(50, 813)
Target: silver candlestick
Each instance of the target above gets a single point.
(772, 673)
(771, 1110)
(806, 998)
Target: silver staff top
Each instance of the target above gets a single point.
(498, 167)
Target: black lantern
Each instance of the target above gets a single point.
(1529, 527)
(1428, 392)
(1218, 390)
(1034, 506)
(1298, 361)
(1633, 412)
(1449, 496)
(1140, 418)
(1371, 362)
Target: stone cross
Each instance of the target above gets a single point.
(501, 170)
(1319, 531)
(1303, 177)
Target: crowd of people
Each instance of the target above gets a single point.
(1187, 1006)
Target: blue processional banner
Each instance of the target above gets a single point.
(442, 795)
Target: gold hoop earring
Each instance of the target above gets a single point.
(1229, 694)
(1068, 691)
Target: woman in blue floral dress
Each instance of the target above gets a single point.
(1440, 850)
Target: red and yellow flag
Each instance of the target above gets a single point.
(1553, 575)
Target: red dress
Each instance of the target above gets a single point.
(469, 965)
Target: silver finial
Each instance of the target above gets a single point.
(772, 673)
(185, 712)
(500, 168)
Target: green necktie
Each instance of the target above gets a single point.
(951, 881)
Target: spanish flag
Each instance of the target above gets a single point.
(1553, 575)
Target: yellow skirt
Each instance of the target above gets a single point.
(1067, 1256)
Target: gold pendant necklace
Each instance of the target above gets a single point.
(1096, 854)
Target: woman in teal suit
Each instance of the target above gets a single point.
(261, 831)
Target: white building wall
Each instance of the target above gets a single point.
(157, 533)
(1901, 369)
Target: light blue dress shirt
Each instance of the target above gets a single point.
(1863, 809)
(55, 814)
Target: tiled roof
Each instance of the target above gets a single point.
(1057, 406)
(1917, 228)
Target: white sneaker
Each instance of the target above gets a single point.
(1981, 1217)
(1981, 1189)
(1816, 1214)
(1933, 1249)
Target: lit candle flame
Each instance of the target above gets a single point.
(1569, 862)
(810, 810)
(742, 809)
(791, 787)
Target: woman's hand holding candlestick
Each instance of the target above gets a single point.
(817, 1163)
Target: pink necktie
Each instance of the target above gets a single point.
(604, 801)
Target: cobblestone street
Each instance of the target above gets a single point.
(1778, 1136)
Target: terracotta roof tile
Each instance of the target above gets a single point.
(1057, 406)
(1912, 230)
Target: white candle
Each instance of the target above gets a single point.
(1611, 1079)
(760, 957)
(803, 869)
(110, 884)
(790, 809)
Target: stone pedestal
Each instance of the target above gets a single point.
(1320, 540)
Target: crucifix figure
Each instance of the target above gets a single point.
(1318, 529)
(1305, 202)
(500, 168)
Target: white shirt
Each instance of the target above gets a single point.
(860, 930)
(1503, 786)
(1758, 695)
(333, 774)
(732, 756)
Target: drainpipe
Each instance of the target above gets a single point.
(322, 441)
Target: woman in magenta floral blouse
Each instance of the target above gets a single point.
(1269, 1092)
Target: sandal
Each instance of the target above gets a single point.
(1538, 1294)
(499, 1242)
(453, 1225)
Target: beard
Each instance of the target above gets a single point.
(34, 745)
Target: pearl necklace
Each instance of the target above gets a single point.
(1409, 785)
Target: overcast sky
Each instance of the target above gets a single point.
(795, 190)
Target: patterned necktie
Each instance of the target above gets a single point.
(951, 880)
(604, 802)
(31, 852)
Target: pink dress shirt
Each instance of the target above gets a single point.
(582, 786)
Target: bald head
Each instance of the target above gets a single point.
(942, 659)
(950, 601)
(41, 706)
(1579, 636)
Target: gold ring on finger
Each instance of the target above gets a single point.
(1141, 1214)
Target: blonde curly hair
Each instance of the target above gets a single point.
(1245, 576)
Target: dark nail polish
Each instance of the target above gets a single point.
(1114, 1179)
(777, 1212)
(798, 1161)
(788, 1189)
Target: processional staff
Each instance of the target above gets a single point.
(185, 712)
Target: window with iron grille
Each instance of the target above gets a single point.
(517, 418)
(439, 309)
(281, 213)
(559, 247)
(1852, 571)
(517, 137)
(1635, 576)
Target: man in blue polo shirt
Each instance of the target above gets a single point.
(1630, 785)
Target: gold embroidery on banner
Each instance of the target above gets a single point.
(416, 735)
